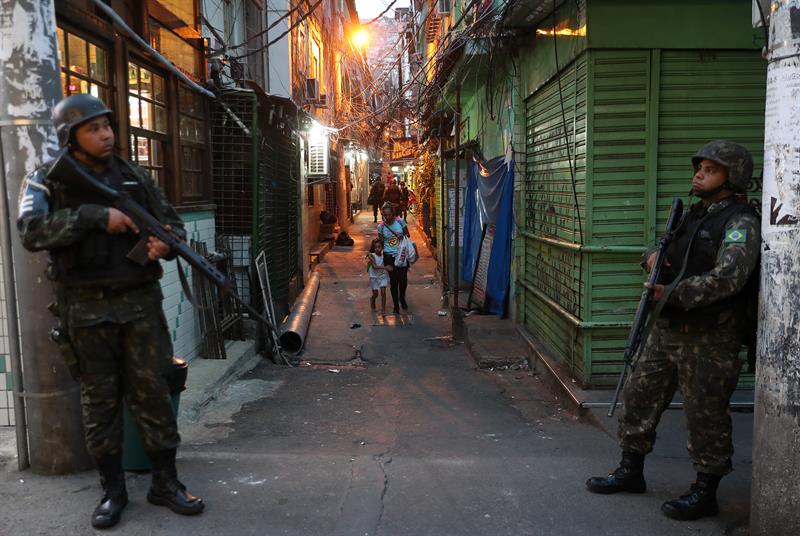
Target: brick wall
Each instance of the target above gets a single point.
(181, 316)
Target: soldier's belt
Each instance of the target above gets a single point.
(694, 324)
(99, 293)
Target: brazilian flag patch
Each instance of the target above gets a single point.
(736, 236)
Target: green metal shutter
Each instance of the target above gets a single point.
(646, 113)
(651, 110)
(552, 274)
(621, 114)
(708, 95)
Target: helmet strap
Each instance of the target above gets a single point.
(75, 147)
(703, 194)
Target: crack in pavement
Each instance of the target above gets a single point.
(382, 465)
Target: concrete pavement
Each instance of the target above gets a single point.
(409, 439)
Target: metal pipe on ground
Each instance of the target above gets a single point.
(294, 330)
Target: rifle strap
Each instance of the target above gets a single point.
(185, 286)
(654, 316)
(152, 201)
(155, 208)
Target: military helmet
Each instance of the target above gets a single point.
(736, 158)
(75, 110)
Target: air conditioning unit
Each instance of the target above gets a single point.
(318, 156)
(443, 7)
(312, 89)
(322, 102)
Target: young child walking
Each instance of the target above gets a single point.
(378, 274)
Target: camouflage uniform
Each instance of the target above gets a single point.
(700, 355)
(115, 320)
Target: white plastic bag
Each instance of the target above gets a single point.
(406, 253)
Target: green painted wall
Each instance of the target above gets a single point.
(687, 24)
(636, 24)
(542, 53)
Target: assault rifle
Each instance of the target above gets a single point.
(645, 303)
(69, 172)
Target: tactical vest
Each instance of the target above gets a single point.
(704, 232)
(99, 258)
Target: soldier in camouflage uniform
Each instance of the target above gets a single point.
(707, 280)
(113, 333)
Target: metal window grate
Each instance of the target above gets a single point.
(232, 140)
(256, 173)
(277, 220)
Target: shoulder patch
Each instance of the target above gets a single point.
(735, 236)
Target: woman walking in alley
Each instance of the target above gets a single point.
(391, 231)
(378, 274)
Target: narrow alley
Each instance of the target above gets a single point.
(600, 330)
(409, 440)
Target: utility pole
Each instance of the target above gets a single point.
(29, 88)
(776, 443)
(457, 203)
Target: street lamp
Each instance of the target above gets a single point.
(360, 38)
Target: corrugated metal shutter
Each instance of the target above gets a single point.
(620, 117)
(552, 275)
(650, 111)
(708, 95)
(619, 146)
(700, 96)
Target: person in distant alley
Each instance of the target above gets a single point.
(393, 195)
(404, 196)
(113, 333)
(378, 274)
(375, 198)
(391, 231)
(709, 285)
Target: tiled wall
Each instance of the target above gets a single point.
(181, 317)
(6, 398)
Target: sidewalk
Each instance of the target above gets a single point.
(206, 381)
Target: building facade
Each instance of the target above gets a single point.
(161, 123)
(600, 107)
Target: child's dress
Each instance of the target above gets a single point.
(377, 278)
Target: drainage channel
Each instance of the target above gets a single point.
(357, 361)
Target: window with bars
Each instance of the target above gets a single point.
(84, 67)
(147, 112)
(192, 131)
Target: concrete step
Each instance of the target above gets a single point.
(495, 343)
(208, 377)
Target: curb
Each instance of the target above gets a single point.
(489, 347)
(212, 376)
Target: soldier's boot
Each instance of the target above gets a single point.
(701, 501)
(115, 496)
(167, 490)
(629, 476)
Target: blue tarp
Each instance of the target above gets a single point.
(490, 200)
